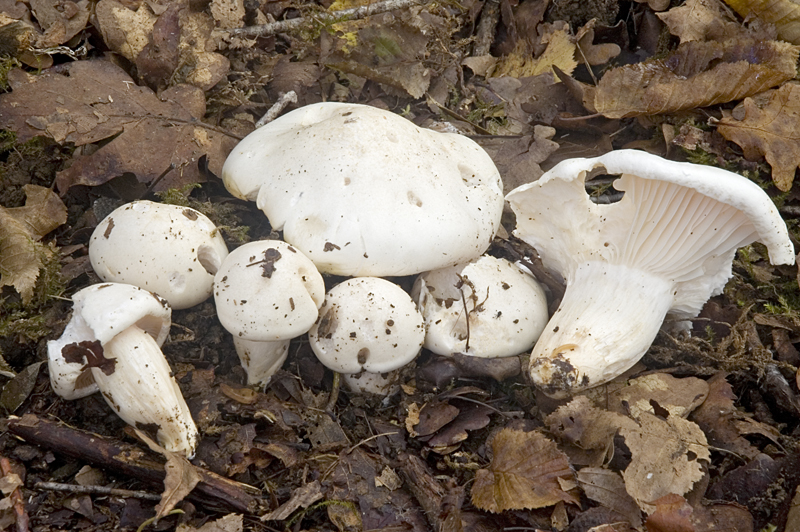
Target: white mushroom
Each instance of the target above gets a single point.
(112, 344)
(167, 249)
(368, 325)
(362, 191)
(665, 248)
(486, 308)
(266, 293)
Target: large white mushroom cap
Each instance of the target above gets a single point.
(362, 191)
(666, 247)
(167, 249)
(505, 312)
(367, 324)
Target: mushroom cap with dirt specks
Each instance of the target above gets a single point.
(364, 192)
(167, 249)
(665, 248)
(506, 308)
(367, 324)
(267, 290)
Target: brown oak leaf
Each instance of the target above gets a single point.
(90, 101)
(771, 130)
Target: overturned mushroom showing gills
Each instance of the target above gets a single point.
(368, 328)
(364, 192)
(112, 344)
(664, 248)
(266, 293)
(486, 308)
(171, 250)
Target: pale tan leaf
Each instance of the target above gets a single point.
(696, 74)
(181, 477)
(666, 458)
(21, 255)
(700, 20)
(784, 14)
(524, 473)
(560, 52)
(677, 396)
(772, 131)
(229, 523)
(594, 54)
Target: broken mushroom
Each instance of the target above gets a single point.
(664, 248)
(266, 293)
(362, 191)
(112, 344)
(368, 328)
(167, 249)
(486, 308)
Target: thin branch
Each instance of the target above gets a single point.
(97, 490)
(284, 26)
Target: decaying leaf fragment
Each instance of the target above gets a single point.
(679, 397)
(21, 228)
(696, 74)
(666, 457)
(560, 51)
(784, 14)
(90, 101)
(700, 20)
(771, 130)
(527, 471)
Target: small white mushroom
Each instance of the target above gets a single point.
(266, 293)
(486, 308)
(167, 249)
(370, 327)
(112, 344)
(664, 248)
(362, 191)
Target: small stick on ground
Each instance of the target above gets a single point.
(484, 37)
(97, 490)
(16, 498)
(213, 491)
(295, 24)
(276, 109)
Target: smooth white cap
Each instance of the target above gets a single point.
(506, 308)
(100, 312)
(167, 249)
(363, 191)
(368, 324)
(268, 290)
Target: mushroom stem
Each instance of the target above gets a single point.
(142, 391)
(608, 310)
(261, 359)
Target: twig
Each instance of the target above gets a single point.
(16, 498)
(97, 490)
(284, 26)
(273, 112)
(484, 37)
(213, 491)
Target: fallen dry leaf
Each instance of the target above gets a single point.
(674, 514)
(784, 14)
(696, 74)
(21, 228)
(771, 130)
(60, 20)
(89, 101)
(525, 473)
(700, 20)
(125, 31)
(659, 390)
(229, 523)
(666, 456)
(594, 54)
(607, 488)
(181, 477)
(560, 52)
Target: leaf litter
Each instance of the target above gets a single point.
(160, 92)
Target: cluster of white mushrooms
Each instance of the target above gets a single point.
(363, 193)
